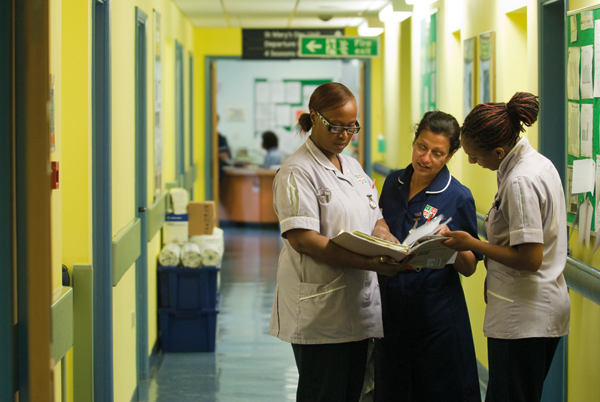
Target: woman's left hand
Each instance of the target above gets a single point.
(457, 240)
(383, 232)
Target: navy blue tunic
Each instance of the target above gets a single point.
(427, 352)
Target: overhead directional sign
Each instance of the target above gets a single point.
(338, 46)
(277, 43)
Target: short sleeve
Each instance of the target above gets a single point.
(524, 208)
(295, 200)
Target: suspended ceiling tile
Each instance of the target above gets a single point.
(199, 7)
(259, 7)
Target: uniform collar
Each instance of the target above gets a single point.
(438, 185)
(319, 155)
(513, 156)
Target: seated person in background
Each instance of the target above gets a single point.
(269, 144)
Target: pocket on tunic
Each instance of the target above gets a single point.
(323, 309)
(501, 286)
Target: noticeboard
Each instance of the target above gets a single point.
(583, 118)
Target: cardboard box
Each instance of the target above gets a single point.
(202, 217)
(175, 232)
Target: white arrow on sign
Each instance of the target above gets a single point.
(312, 46)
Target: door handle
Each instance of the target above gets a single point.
(141, 209)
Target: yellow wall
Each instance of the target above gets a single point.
(75, 168)
(174, 27)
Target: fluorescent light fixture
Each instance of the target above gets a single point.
(387, 14)
(365, 30)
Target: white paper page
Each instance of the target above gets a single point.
(587, 20)
(587, 117)
(573, 73)
(573, 28)
(597, 219)
(584, 176)
(292, 92)
(587, 56)
(573, 128)
(597, 184)
(307, 91)
(597, 59)
(426, 229)
(284, 115)
(588, 222)
(582, 224)
(277, 92)
(263, 92)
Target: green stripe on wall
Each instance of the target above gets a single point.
(61, 313)
(83, 330)
(156, 215)
(126, 249)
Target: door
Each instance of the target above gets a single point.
(141, 192)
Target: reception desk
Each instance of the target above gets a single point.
(246, 196)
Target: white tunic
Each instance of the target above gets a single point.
(529, 208)
(314, 302)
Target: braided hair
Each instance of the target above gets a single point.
(492, 125)
(328, 96)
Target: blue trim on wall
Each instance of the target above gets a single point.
(208, 128)
(141, 192)
(22, 369)
(102, 202)
(7, 346)
(179, 116)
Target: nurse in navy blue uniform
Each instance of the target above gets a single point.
(427, 352)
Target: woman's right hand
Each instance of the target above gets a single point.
(387, 266)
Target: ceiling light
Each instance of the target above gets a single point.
(387, 14)
(365, 30)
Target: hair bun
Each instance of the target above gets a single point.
(525, 107)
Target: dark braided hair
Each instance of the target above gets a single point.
(441, 123)
(493, 125)
(329, 96)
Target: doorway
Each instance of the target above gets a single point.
(252, 96)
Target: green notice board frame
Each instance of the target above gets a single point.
(429, 63)
(585, 37)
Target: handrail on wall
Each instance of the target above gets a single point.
(580, 277)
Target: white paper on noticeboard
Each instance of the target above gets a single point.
(587, 57)
(573, 73)
(587, 20)
(585, 222)
(573, 128)
(283, 115)
(262, 92)
(573, 28)
(587, 131)
(292, 92)
(277, 92)
(584, 176)
(597, 59)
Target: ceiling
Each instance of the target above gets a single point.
(280, 13)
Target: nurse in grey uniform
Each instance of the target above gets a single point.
(327, 302)
(527, 298)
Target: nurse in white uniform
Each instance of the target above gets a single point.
(327, 302)
(527, 299)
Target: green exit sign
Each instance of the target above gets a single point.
(338, 46)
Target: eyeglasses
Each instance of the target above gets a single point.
(422, 150)
(339, 129)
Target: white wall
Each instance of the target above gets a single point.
(236, 97)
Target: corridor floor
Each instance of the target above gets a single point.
(248, 364)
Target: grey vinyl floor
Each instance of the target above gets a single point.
(248, 364)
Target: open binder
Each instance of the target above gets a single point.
(422, 244)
